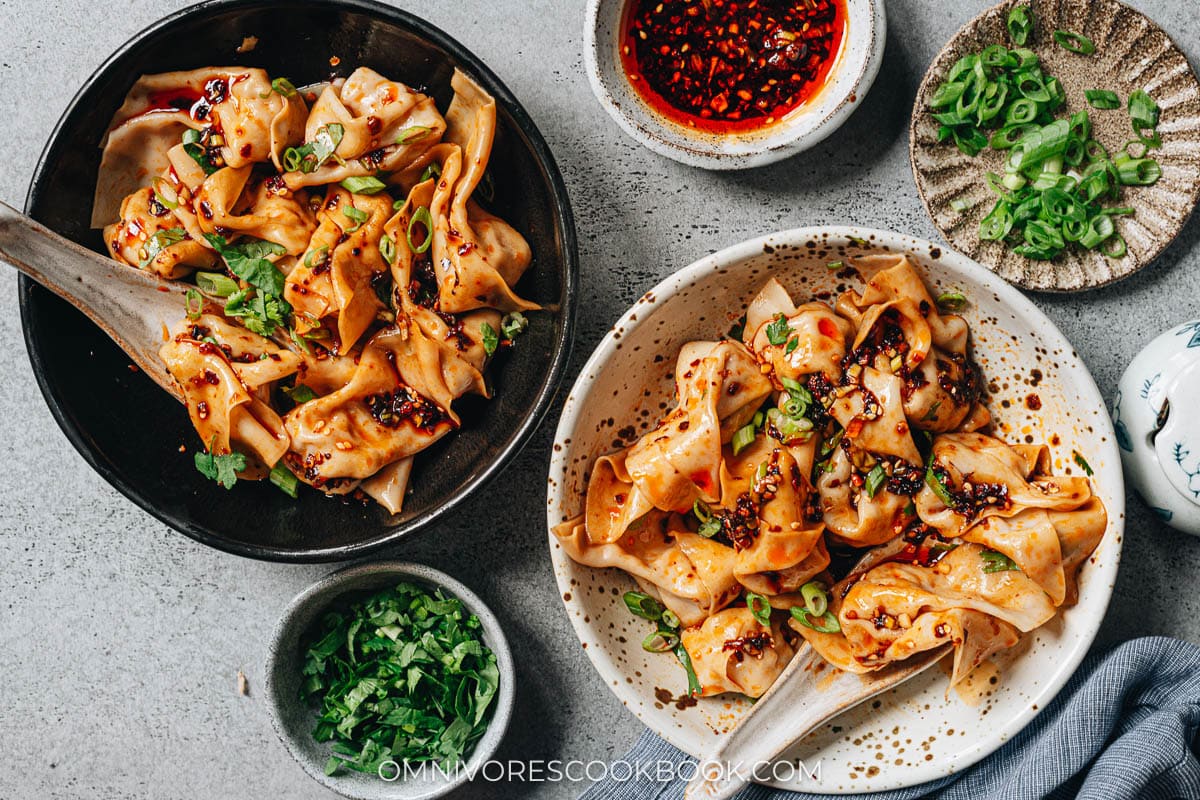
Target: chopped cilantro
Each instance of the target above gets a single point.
(489, 338)
(401, 676)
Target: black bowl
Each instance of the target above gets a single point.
(131, 432)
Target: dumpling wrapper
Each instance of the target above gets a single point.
(722, 665)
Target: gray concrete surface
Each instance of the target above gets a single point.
(120, 640)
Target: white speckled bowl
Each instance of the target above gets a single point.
(294, 721)
(913, 733)
(847, 84)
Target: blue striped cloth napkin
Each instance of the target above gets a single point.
(1121, 728)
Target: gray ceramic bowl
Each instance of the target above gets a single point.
(294, 720)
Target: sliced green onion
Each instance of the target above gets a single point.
(669, 618)
(287, 482)
(316, 256)
(292, 158)
(513, 324)
(660, 642)
(165, 194)
(216, 284)
(1099, 228)
(284, 87)
(367, 184)
(997, 224)
(743, 438)
(1094, 150)
(1010, 135)
(1143, 114)
(1114, 246)
(934, 482)
(357, 216)
(1103, 99)
(826, 623)
(1020, 23)
(1075, 42)
(420, 217)
(790, 428)
(953, 301)
(644, 606)
(434, 170)
(300, 393)
(1022, 112)
(816, 597)
(997, 562)
(1137, 171)
(160, 241)
(193, 303)
(710, 527)
(681, 653)
(387, 249)
(876, 478)
(1044, 236)
(760, 608)
(413, 133)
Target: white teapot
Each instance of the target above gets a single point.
(1156, 414)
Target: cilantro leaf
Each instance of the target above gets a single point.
(246, 259)
(777, 330)
(489, 338)
(223, 469)
(259, 313)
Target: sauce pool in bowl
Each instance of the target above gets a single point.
(726, 66)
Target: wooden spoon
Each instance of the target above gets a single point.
(133, 307)
(807, 694)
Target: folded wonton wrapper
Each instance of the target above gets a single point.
(891, 611)
(1022, 470)
(477, 257)
(820, 334)
(256, 122)
(334, 279)
(693, 576)
(386, 127)
(937, 357)
(226, 385)
(719, 388)
(750, 668)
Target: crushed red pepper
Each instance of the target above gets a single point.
(729, 65)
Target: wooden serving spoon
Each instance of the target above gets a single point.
(133, 307)
(807, 694)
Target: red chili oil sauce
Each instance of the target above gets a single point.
(730, 65)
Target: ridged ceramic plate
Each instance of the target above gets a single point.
(1038, 391)
(1131, 53)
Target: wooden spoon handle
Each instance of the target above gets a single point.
(807, 694)
(133, 307)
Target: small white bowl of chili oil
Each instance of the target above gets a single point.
(731, 84)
